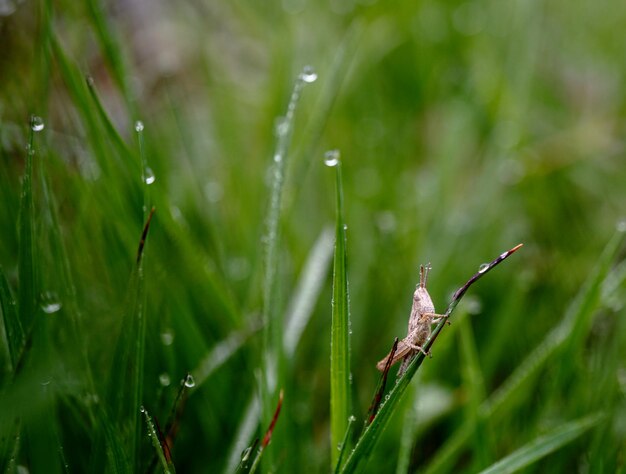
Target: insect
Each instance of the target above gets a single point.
(422, 317)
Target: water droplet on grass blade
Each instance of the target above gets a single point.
(483, 268)
(189, 381)
(149, 176)
(142, 409)
(164, 379)
(331, 158)
(36, 123)
(308, 74)
(139, 126)
(50, 302)
(167, 337)
(281, 126)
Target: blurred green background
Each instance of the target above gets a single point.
(464, 129)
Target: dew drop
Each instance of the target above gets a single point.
(36, 123)
(331, 158)
(149, 176)
(308, 74)
(245, 454)
(621, 225)
(139, 126)
(339, 446)
(189, 381)
(352, 419)
(50, 302)
(483, 268)
(142, 409)
(281, 126)
(164, 379)
(167, 337)
(278, 158)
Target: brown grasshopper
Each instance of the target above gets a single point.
(422, 317)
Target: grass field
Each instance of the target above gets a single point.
(302, 160)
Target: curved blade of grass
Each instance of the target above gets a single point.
(273, 327)
(307, 291)
(371, 434)
(340, 327)
(543, 445)
(110, 48)
(585, 302)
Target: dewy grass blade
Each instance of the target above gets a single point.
(27, 268)
(340, 396)
(273, 327)
(579, 309)
(164, 458)
(543, 445)
(371, 434)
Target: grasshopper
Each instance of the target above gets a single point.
(423, 316)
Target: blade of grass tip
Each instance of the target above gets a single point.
(111, 49)
(247, 457)
(160, 446)
(543, 445)
(307, 290)
(340, 325)
(523, 374)
(173, 420)
(344, 443)
(268, 434)
(366, 442)
(245, 431)
(147, 176)
(12, 325)
(109, 128)
(27, 267)
(273, 327)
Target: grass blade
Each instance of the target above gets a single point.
(307, 291)
(27, 295)
(273, 327)
(247, 427)
(543, 445)
(340, 326)
(371, 434)
(585, 303)
(12, 324)
(155, 438)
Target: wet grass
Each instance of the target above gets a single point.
(463, 129)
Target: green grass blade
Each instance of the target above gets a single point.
(12, 325)
(307, 291)
(577, 315)
(543, 445)
(373, 431)
(585, 303)
(168, 467)
(340, 397)
(27, 268)
(273, 326)
(247, 426)
(110, 47)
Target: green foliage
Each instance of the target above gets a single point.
(465, 127)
